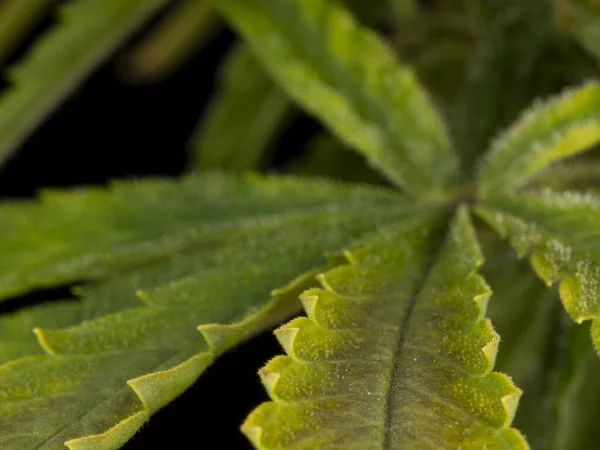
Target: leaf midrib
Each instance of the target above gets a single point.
(400, 345)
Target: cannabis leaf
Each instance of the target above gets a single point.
(87, 32)
(582, 18)
(174, 40)
(548, 356)
(561, 127)
(247, 112)
(139, 223)
(16, 18)
(194, 262)
(557, 231)
(347, 77)
(395, 352)
(503, 74)
(16, 338)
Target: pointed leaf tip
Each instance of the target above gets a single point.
(491, 348)
(44, 339)
(309, 301)
(511, 403)
(286, 335)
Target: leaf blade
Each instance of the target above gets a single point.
(582, 19)
(140, 222)
(503, 75)
(338, 372)
(104, 377)
(16, 19)
(559, 128)
(547, 355)
(359, 91)
(556, 231)
(60, 61)
(247, 113)
(173, 41)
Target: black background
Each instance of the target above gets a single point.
(109, 129)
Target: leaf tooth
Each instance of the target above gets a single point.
(350, 257)
(115, 436)
(270, 374)
(157, 389)
(262, 414)
(511, 402)
(253, 433)
(331, 311)
(309, 301)
(322, 279)
(286, 335)
(490, 350)
(145, 296)
(483, 297)
(283, 304)
(44, 338)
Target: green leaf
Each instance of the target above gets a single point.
(404, 9)
(173, 41)
(16, 19)
(327, 157)
(395, 352)
(582, 174)
(582, 19)
(202, 254)
(16, 329)
(522, 313)
(88, 31)
(561, 127)
(559, 234)
(243, 119)
(109, 375)
(346, 76)
(93, 233)
(544, 353)
(503, 74)
(577, 401)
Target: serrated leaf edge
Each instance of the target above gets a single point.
(287, 333)
(566, 282)
(219, 338)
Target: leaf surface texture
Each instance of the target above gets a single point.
(395, 352)
(346, 76)
(559, 234)
(547, 132)
(215, 248)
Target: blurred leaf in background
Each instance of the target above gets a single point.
(243, 119)
(582, 19)
(178, 37)
(17, 19)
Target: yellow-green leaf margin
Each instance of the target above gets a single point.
(395, 352)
